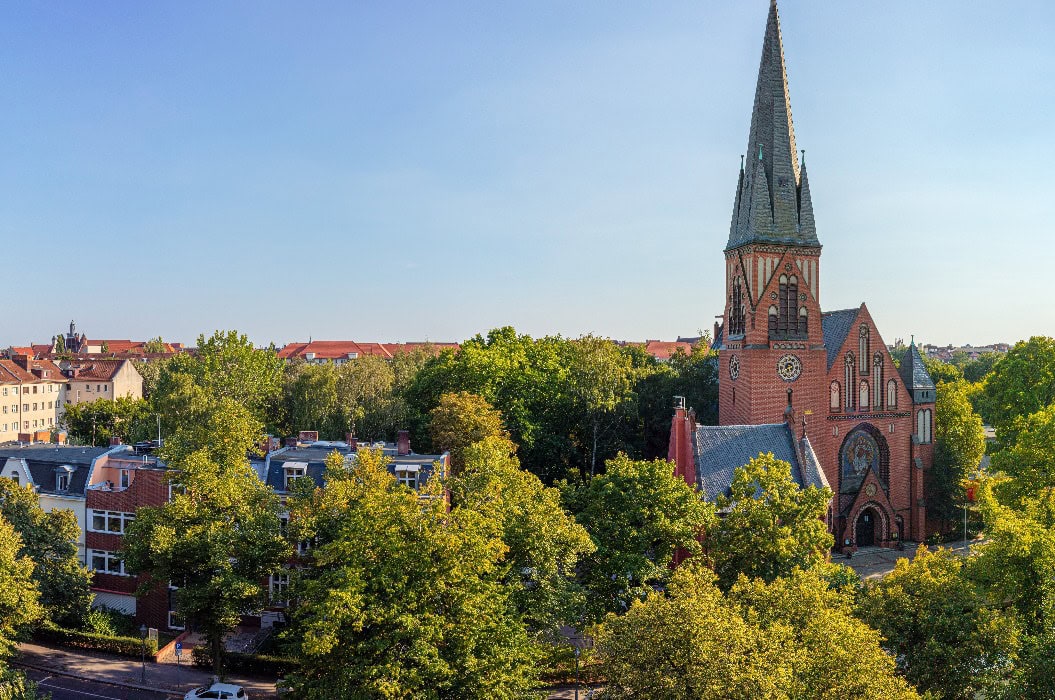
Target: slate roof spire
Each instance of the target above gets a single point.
(773, 202)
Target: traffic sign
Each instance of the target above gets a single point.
(179, 648)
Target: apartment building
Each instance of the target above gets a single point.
(32, 393)
(90, 380)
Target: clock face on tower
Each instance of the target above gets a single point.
(789, 367)
(734, 367)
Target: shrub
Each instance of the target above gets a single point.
(122, 646)
(110, 622)
(249, 664)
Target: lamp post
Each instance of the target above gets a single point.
(143, 638)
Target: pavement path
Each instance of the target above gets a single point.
(123, 672)
(876, 562)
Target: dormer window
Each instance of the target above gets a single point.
(407, 475)
(125, 478)
(292, 472)
(62, 477)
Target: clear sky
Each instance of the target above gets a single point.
(404, 171)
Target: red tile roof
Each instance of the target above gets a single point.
(11, 372)
(100, 370)
(340, 349)
(663, 350)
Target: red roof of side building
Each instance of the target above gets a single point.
(100, 370)
(13, 371)
(663, 350)
(341, 349)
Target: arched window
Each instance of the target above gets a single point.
(877, 366)
(772, 321)
(736, 313)
(849, 381)
(863, 349)
(788, 315)
(803, 319)
(864, 394)
(923, 425)
(891, 394)
(836, 399)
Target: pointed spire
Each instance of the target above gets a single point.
(772, 139)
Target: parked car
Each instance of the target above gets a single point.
(217, 691)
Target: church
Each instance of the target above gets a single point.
(816, 388)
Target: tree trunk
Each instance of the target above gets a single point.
(216, 640)
(593, 453)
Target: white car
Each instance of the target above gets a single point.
(217, 691)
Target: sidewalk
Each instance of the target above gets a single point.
(123, 671)
(876, 562)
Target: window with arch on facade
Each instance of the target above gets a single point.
(923, 425)
(849, 381)
(736, 313)
(790, 321)
(864, 394)
(803, 322)
(836, 398)
(772, 321)
(891, 394)
(877, 372)
(863, 349)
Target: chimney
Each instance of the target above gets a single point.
(403, 443)
(716, 329)
(679, 451)
(115, 441)
(353, 444)
(22, 361)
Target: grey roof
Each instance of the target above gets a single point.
(773, 202)
(43, 460)
(720, 449)
(836, 326)
(913, 372)
(315, 457)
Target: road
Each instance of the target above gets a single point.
(66, 688)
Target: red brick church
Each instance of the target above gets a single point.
(816, 388)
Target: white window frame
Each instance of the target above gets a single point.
(110, 518)
(107, 558)
(278, 585)
(292, 473)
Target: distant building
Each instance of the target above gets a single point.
(341, 351)
(90, 380)
(32, 393)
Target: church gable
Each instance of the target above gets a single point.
(861, 370)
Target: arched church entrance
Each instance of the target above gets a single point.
(865, 530)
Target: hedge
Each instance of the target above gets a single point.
(249, 664)
(122, 646)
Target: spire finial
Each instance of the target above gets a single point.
(912, 340)
(803, 151)
(741, 162)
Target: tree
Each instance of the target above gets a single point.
(959, 446)
(220, 536)
(367, 392)
(226, 365)
(460, 420)
(639, 514)
(939, 627)
(792, 638)
(48, 540)
(942, 372)
(310, 400)
(96, 422)
(599, 382)
(979, 368)
(544, 543)
(155, 346)
(1029, 461)
(1021, 383)
(19, 608)
(772, 526)
(401, 598)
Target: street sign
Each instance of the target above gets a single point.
(179, 649)
(152, 634)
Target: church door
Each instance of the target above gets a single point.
(866, 528)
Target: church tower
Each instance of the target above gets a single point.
(771, 335)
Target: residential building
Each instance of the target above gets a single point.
(32, 393)
(90, 380)
(819, 388)
(59, 475)
(341, 351)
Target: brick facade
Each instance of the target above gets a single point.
(859, 414)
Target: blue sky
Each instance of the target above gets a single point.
(403, 171)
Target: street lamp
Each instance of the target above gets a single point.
(143, 638)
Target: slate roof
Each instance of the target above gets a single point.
(913, 372)
(720, 449)
(314, 456)
(42, 460)
(836, 326)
